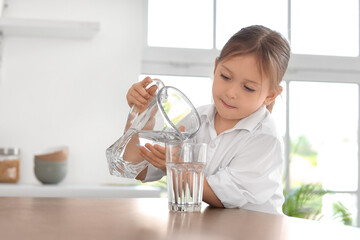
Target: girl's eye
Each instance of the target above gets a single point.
(249, 89)
(224, 77)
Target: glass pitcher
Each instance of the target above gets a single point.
(169, 117)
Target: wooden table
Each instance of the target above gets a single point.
(70, 218)
(78, 191)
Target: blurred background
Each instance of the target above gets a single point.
(66, 84)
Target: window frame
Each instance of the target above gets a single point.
(311, 68)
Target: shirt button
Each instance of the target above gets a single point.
(212, 144)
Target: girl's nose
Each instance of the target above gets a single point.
(231, 93)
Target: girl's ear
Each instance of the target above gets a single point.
(272, 96)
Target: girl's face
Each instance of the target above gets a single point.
(238, 89)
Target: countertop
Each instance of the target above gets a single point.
(149, 218)
(78, 191)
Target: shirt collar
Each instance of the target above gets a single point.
(248, 123)
(208, 114)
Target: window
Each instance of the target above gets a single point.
(333, 32)
(318, 111)
(323, 134)
(279, 111)
(232, 15)
(197, 89)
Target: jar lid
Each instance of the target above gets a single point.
(9, 151)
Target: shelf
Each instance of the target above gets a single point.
(78, 191)
(49, 28)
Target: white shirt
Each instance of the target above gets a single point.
(244, 164)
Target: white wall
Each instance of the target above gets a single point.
(70, 92)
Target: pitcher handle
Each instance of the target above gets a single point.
(134, 111)
(156, 82)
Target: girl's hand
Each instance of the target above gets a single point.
(154, 154)
(139, 95)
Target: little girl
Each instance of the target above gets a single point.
(244, 163)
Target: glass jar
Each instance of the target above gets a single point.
(9, 165)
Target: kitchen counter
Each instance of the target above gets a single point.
(79, 191)
(149, 218)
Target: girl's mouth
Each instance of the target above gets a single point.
(226, 105)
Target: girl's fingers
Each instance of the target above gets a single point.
(138, 97)
(146, 154)
(146, 81)
(131, 100)
(133, 95)
(152, 90)
(138, 104)
(160, 149)
(156, 157)
(149, 157)
(157, 153)
(141, 91)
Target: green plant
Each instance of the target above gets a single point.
(306, 202)
(303, 148)
(340, 211)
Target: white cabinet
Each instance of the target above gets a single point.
(49, 28)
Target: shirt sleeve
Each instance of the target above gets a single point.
(153, 174)
(252, 176)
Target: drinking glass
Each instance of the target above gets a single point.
(185, 163)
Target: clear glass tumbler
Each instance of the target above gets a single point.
(185, 164)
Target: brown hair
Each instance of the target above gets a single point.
(271, 50)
